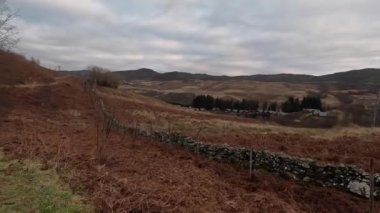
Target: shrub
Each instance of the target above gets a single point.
(103, 77)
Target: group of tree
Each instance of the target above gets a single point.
(208, 102)
(291, 105)
(295, 105)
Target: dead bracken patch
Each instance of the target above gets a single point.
(55, 125)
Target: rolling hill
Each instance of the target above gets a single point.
(367, 77)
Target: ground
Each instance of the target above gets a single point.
(53, 122)
(351, 145)
(333, 96)
(28, 188)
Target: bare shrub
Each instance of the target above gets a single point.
(107, 124)
(8, 32)
(103, 77)
(104, 122)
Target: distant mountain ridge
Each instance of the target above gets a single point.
(368, 76)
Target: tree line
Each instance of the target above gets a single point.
(308, 102)
(208, 102)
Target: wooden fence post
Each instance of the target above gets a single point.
(135, 130)
(372, 188)
(375, 109)
(151, 128)
(251, 165)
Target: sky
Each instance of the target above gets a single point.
(218, 37)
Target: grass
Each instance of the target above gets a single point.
(187, 123)
(25, 187)
(187, 120)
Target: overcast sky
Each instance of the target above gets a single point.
(231, 37)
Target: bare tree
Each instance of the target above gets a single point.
(103, 77)
(8, 32)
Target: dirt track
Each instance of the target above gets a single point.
(57, 80)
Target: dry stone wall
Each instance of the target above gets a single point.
(345, 177)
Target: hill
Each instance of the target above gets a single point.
(368, 76)
(15, 69)
(286, 78)
(362, 77)
(187, 76)
(142, 73)
(57, 124)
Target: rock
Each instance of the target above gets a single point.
(305, 165)
(361, 188)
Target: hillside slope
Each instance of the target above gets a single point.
(55, 123)
(15, 69)
(366, 77)
(369, 76)
(142, 73)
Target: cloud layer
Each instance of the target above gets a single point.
(214, 36)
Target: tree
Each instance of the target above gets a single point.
(221, 104)
(210, 102)
(273, 107)
(229, 104)
(199, 101)
(8, 32)
(291, 105)
(204, 101)
(237, 105)
(311, 102)
(264, 107)
(244, 105)
(253, 105)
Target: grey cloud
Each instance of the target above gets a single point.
(215, 36)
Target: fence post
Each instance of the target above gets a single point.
(372, 188)
(135, 130)
(250, 165)
(375, 109)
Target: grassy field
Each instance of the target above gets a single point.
(26, 187)
(342, 144)
(333, 96)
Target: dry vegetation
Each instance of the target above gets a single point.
(332, 96)
(141, 175)
(350, 105)
(54, 123)
(352, 145)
